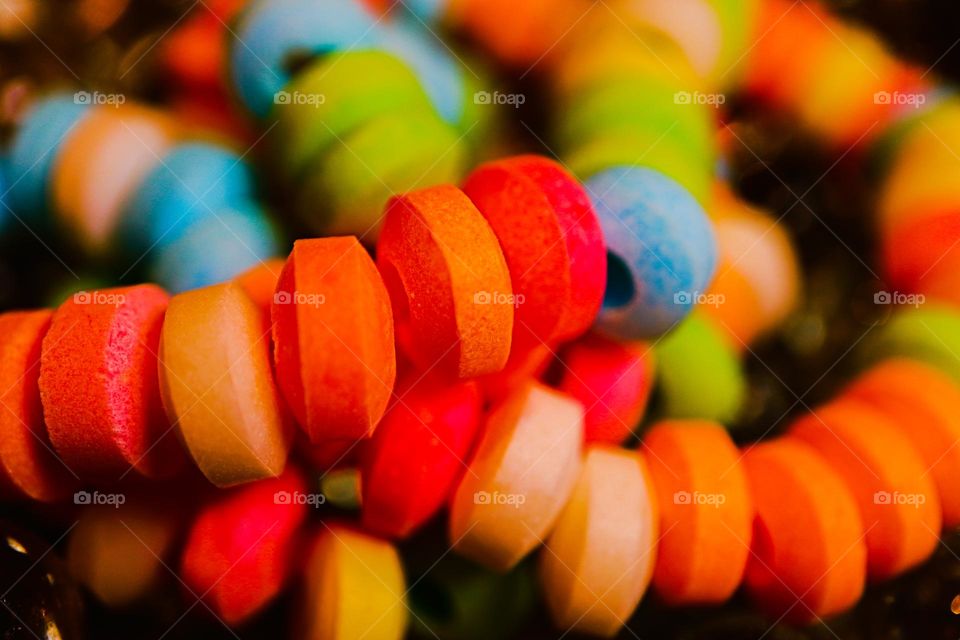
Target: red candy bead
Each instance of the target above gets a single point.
(99, 384)
(239, 549)
(552, 242)
(418, 452)
(612, 380)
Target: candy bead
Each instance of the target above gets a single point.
(612, 380)
(808, 557)
(28, 464)
(98, 383)
(89, 187)
(35, 148)
(391, 153)
(334, 96)
(919, 257)
(521, 475)
(660, 251)
(218, 386)
(930, 333)
(240, 548)
(270, 32)
(333, 336)
(223, 244)
(354, 588)
(699, 373)
(706, 512)
(417, 453)
(921, 402)
(435, 66)
(599, 559)
(194, 181)
(552, 242)
(448, 282)
(898, 502)
(118, 551)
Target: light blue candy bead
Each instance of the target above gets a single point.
(215, 249)
(661, 250)
(272, 32)
(39, 137)
(193, 180)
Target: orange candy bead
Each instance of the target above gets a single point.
(448, 282)
(898, 502)
(808, 557)
(333, 339)
(28, 464)
(706, 511)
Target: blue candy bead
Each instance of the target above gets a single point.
(438, 72)
(271, 32)
(192, 180)
(216, 248)
(426, 10)
(661, 251)
(34, 149)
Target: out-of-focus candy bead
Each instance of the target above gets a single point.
(898, 502)
(706, 512)
(521, 476)
(600, 556)
(271, 32)
(354, 588)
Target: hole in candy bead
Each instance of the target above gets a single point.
(620, 289)
(400, 305)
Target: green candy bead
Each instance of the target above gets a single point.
(699, 375)
(643, 149)
(345, 190)
(930, 334)
(337, 93)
